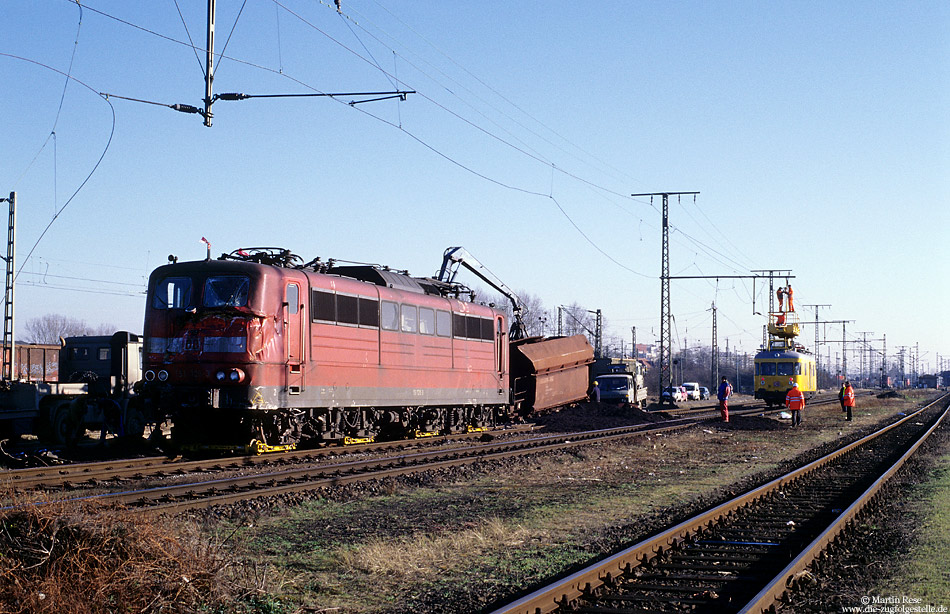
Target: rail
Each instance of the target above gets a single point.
(589, 580)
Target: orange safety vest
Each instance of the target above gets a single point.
(849, 397)
(795, 399)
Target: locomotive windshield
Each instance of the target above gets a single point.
(226, 291)
(173, 293)
(219, 291)
(789, 368)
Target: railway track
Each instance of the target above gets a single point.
(107, 475)
(735, 557)
(75, 474)
(195, 493)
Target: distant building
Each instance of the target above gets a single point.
(929, 381)
(646, 350)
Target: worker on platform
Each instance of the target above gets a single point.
(848, 399)
(725, 391)
(791, 297)
(780, 293)
(795, 402)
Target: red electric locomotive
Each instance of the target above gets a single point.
(259, 349)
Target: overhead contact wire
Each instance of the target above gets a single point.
(91, 172)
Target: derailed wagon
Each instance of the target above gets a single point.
(549, 373)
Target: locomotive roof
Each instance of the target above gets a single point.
(781, 354)
(365, 273)
(379, 277)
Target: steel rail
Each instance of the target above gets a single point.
(68, 474)
(575, 585)
(311, 478)
(777, 589)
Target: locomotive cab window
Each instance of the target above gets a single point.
(768, 368)
(226, 291)
(789, 368)
(172, 293)
(293, 299)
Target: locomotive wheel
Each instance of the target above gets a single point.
(66, 426)
(133, 422)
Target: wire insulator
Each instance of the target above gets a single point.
(185, 108)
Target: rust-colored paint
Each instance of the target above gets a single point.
(550, 372)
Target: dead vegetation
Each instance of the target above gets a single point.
(415, 555)
(86, 559)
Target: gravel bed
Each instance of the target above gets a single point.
(871, 552)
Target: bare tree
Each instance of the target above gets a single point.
(537, 319)
(577, 320)
(49, 328)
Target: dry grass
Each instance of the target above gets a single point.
(426, 555)
(85, 559)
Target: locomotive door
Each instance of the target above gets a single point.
(293, 334)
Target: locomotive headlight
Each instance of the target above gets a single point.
(149, 375)
(236, 376)
(220, 376)
(163, 375)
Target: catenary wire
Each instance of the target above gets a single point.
(91, 172)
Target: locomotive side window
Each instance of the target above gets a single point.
(426, 321)
(347, 309)
(475, 328)
(172, 293)
(443, 323)
(488, 330)
(323, 306)
(293, 299)
(458, 325)
(409, 318)
(369, 312)
(768, 368)
(388, 315)
(226, 291)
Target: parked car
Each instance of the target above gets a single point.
(692, 391)
(677, 393)
(703, 393)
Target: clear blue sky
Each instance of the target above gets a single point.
(817, 133)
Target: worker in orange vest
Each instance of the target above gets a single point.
(795, 402)
(791, 297)
(848, 398)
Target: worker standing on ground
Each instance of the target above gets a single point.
(725, 391)
(595, 392)
(841, 398)
(848, 400)
(795, 402)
